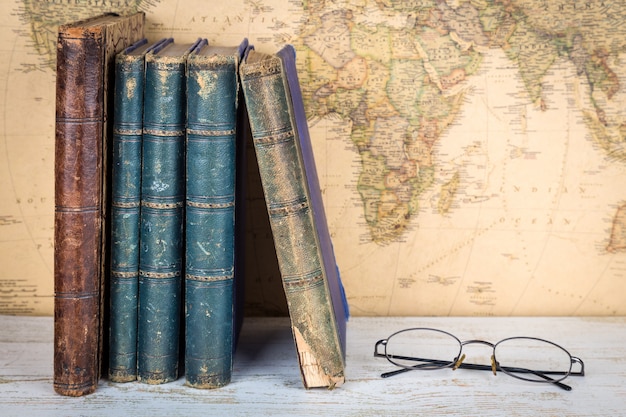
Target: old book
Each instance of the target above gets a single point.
(212, 102)
(315, 297)
(125, 208)
(162, 214)
(85, 59)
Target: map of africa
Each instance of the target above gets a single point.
(471, 153)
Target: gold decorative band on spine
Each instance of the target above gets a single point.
(124, 274)
(149, 274)
(279, 137)
(210, 205)
(202, 132)
(300, 283)
(133, 204)
(128, 131)
(209, 278)
(285, 211)
(162, 205)
(164, 133)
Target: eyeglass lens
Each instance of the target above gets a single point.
(518, 355)
(422, 349)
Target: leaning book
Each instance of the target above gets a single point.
(85, 64)
(315, 297)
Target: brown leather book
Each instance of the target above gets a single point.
(85, 66)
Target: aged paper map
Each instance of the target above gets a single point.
(471, 153)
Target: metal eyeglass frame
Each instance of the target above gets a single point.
(457, 362)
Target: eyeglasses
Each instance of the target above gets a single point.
(527, 358)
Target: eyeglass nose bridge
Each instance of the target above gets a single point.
(477, 341)
(494, 363)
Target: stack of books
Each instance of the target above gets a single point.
(148, 208)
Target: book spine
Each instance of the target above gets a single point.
(335, 288)
(210, 219)
(78, 210)
(161, 228)
(125, 211)
(291, 219)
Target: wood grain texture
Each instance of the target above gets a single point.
(266, 380)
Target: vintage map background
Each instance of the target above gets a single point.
(471, 153)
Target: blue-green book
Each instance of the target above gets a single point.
(162, 214)
(212, 103)
(125, 209)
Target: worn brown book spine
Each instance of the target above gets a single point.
(85, 55)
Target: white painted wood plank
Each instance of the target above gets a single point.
(266, 380)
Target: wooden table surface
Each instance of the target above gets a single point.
(266, 380)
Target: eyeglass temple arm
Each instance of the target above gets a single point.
(536, 373)
(427, 362)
